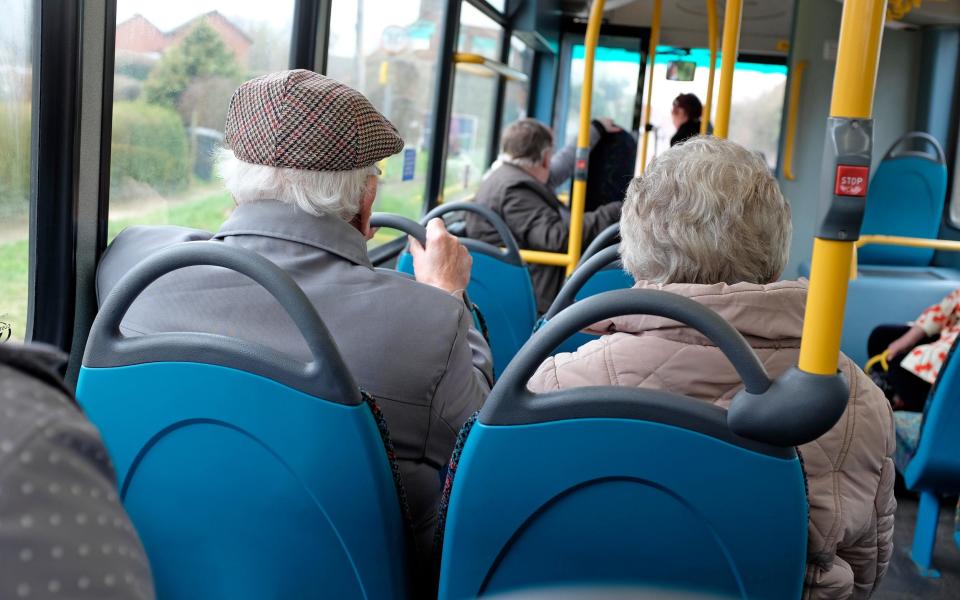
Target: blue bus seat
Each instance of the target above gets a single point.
(905, 198)
(499, 285)
(600, 272)
(571, 488)
(928, 457)
(882, 295)
(247, 474)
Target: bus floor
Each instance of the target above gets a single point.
(902, 580)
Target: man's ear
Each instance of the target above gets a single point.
(366, 208)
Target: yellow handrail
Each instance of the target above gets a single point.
(578, 200)
(731, 45)
(498, 68)
(651, 57)
(540, 257)
(908, 242)
(793, 110)
(712, 41)
(854, 83)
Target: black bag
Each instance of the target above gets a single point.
(611, 166)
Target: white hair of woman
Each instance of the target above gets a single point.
(314, 192)
(705, 211)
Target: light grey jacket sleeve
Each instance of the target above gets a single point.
(462, 389)
(63, 531)
(563, 162)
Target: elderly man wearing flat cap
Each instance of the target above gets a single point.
(301, 167)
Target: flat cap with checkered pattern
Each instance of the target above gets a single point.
(301, 120)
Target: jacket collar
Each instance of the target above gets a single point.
(772, 312)
(282, 221)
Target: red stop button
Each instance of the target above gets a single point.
(851, 180)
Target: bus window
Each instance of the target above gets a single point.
(15, 98)
(616, 75)
(176, 69)
(474, 99)
(755, 108)
(517, 93)
(393, 62)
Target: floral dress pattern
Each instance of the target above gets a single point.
(925, 360)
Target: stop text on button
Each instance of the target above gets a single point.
(851, 180)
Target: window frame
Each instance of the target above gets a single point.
(54, 162)
(445, 90)
(310, 35)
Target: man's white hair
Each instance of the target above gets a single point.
(314, 192)
(705, 211)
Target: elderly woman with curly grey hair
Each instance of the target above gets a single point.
(707, 221)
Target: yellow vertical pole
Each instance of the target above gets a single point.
(712, 40)
(854, 82)
(651, 57)
(731, 46)
(793, 111)
(579, 198)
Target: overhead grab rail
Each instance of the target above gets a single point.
(731, 45)
(651, 59)
(481, 63)
(578, 200)
(712, 27)
(792, 112)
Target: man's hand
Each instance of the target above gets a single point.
(444, 263)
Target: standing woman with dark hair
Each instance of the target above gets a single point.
(686, 114)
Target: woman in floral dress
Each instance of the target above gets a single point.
(917, 351)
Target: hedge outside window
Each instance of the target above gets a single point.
(176, 69)
(16, 73)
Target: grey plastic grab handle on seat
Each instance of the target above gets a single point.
(794, 409)
(408, 226)
(605, 238)
(938, 157)
(325, 376)
(393, 248)
(501, 404)
(511, 251)
(573, 285)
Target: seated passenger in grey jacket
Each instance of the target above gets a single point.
(301, 166)
(517, 188)
(63, 531)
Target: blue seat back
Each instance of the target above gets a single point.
(905, 198)
(606, 506)
(936, 464)
(599, 271)
(599, 486)
(499, 285)
(504, 294)
(247, 474)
